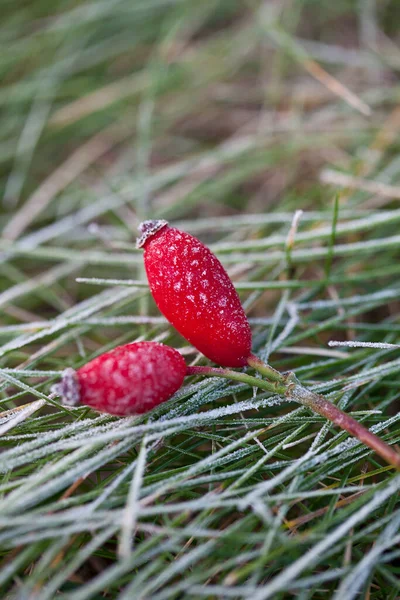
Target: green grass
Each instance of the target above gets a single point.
(224, 117)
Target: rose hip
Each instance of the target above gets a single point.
(128, 380)
(194, 292)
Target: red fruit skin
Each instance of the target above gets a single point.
(128, 380)
(194, 292)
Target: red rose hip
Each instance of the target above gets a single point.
(194, 292)
(128, 380)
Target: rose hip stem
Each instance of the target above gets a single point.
(194, 292)
(288, 385)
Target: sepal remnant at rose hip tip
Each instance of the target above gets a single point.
(68, 388)
(194, 292)
(148, 229)
(129, 380)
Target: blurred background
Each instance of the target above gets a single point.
(177, 108)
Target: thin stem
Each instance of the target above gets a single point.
(295, 391)
(237, 376)
(288, 385)
(272, 374)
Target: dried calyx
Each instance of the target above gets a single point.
(68, 388)
(148, 229)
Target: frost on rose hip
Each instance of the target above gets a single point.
(128, 380)
(194, 292)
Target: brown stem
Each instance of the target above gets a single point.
(320, 405)
(288, 386)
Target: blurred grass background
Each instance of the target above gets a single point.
(225, 117)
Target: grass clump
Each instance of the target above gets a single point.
(226, 118)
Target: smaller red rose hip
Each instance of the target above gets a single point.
(128, 380)
(194, 292)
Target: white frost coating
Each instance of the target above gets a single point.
(211, 459)
(355, 344)
(310, 558)
(121, 429)
(266, 486)
(79, 312)
(350, 585)
(131, 511)
(111, 487)
(53, 477)
(22, 415)
(17, 455)
(353, 300)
